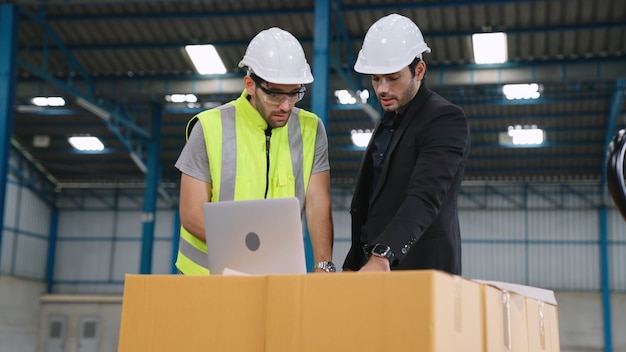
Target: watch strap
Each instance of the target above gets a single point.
(328, 266)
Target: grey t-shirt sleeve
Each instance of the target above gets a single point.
(320, 161)
(193, 159)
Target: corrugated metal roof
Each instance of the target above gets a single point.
(132, 51)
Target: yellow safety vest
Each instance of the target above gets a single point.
(235, 140)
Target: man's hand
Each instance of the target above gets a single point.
(375, 264)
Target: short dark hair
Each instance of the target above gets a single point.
(256, 79)
(413, 65)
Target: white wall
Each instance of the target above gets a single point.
(581, 322)
(100, 247)
(19, 314)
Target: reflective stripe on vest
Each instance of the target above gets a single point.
(292, 150)
(234, 185)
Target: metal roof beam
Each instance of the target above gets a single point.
(113, 119)
(346, 37)
(349, 77)
(387, 7)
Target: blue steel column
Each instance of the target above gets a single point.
(616, 106)
(8, 51)
(606, 282)
(321, 68)
(150, 193)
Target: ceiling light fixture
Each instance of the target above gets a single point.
(489, 48)
(345, 96)
(521, 91)
(518, 135)
(205, 59)
(48, 101)
(86, 143)
(181, 98)
(361, 138)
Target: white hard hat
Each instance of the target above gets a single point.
(391, 44)
(276, 56)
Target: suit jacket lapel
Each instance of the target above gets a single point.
(407, 119)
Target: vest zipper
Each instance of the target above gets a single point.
(268, 135)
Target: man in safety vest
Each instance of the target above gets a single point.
(228, 156)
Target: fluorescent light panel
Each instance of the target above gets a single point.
(346, 98)
(522, 136)
(86, 143)
(205, 59)
(361, 138)
(489, 48)
(48, 101)
(521, 91)
(181, 98)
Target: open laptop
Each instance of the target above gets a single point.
(262, 236)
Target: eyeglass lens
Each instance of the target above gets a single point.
(277, 97)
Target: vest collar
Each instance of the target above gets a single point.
(252, 115)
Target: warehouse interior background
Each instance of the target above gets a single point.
(76, 222)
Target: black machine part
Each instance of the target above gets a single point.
(615, 170)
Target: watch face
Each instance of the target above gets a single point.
(381, 250)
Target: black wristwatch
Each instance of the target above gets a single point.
(383, 251)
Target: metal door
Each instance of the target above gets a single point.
(88, 334)
(55, 340)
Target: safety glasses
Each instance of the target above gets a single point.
(275, 97)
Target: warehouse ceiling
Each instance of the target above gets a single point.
(115, 61)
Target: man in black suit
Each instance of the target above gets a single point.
(404, 209)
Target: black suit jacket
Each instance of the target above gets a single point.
(414, 206)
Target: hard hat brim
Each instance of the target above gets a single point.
(362, 67)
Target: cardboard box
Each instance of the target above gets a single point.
(505, 320)
(398, 311)
(411, 310)
(519, 318)
(192, 313)
(543, 326)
